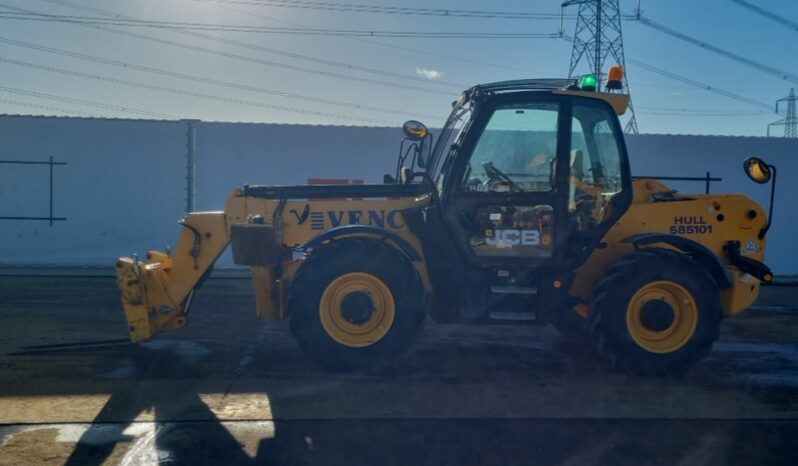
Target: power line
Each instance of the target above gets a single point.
(87, 103)
(297, 56)
(693, 114)
(698, 84)
(272, 29)
(694, 83)
(200, 95)
(260, 61)
(785, 75)
(393, 46)
(705, 111)
(46, 107)
(215, 82)
(172, 74)
(768, 14)
(670, 75)
(260, 48)
(393, 10)
(698, 113)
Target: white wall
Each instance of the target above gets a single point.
(121, 191)
(124, 186)
(234, 154)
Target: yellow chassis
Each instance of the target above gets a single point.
(157, 291)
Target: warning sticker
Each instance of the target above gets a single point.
(751, 247)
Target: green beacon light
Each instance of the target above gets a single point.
(588, 82)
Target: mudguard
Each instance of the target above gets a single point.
(700, 253)
(349, 230)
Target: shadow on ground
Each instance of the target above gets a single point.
(481, 396)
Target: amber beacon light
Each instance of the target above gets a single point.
(615, 78)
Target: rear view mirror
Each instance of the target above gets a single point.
(757, 170)
(760, 172)
(415, 130)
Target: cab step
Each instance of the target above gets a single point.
(505, 289)
(511, 316)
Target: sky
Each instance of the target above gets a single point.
(56, 68)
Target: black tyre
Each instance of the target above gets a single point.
(356, 305)
(656, 312)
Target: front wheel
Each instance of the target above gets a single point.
(655, 312)
(356, 304)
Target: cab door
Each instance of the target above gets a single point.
(599, 182)
(506, 194)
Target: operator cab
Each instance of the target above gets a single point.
(529, 176)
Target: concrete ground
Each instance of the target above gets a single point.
(231, 390)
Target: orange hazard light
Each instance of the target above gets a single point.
(615, 78)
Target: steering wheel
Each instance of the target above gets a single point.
(496, 174)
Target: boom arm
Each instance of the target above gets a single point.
(156, 294)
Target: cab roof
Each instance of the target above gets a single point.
(527, 85)
(567, 86)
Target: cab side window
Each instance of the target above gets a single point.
(595, 165)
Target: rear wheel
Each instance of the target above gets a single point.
(656, 312)
(357, 304)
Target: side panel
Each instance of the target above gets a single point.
(711, 220)
(302, 220)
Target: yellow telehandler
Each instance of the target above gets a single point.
(524, 211)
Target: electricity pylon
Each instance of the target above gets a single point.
(790, 120)
(598, 36)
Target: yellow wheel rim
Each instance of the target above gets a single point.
(357, 309)
(662, 317)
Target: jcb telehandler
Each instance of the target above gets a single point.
(524, 210)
